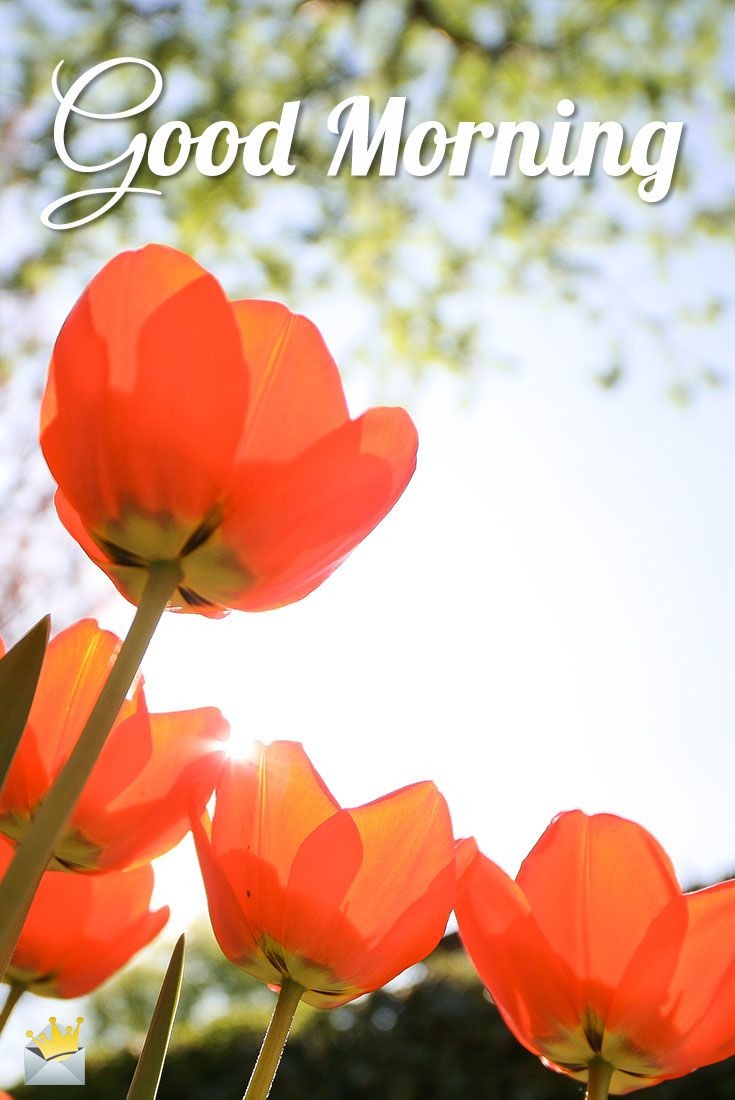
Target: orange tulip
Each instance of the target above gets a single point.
(81, 929)
(152, 771)
(336, 901)
(596, 960)
(184, 427)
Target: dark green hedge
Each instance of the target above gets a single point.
(439, 1039)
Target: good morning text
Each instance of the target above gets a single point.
(370, 138)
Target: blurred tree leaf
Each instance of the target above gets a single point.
(307, 236)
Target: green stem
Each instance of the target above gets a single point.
(14, 995)
(274, 1041)
(36, 848)
(598, 1080)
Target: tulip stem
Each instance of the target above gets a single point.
(37, 845)
(598, 1080)
(274, 1041)
(14, 995)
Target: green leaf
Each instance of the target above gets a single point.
(19, 672)
(144, 1085)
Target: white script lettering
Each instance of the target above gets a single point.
(169, 149)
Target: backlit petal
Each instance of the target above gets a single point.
(266, 807)
(237, 937)
(146, 396)
(706, 977)
(155, 772)
(81, 929)
(295, 389)
(340, 901)
(401, 900)
(535, 994)
(689, 1023)
(292, 525)
(371, 889)
(152, 773)
(614, 879)
(75, 666)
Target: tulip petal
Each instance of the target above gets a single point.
(322, 872)
(126, 754)
(401, 900)
(85, 970)
(688, 1019)
(73, 523)
(465, 851)
(152, 773)
(155, 772)
(266, 807)
(180, 426)
(532, 989)
(81, 929)
(234, 932)
(270, 802)
(295, 390)
(292, 525)
(77, 662)
(591, 889)
(707, 975)
(304, 919)
(337, 900)
(371, 889)
(614, 878)
(131, 423)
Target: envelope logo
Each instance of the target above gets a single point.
(54, 1056)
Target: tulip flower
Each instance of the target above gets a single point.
(323, 902)
(185, 428)
(595, 958)
(205, 460)
(338, 901)
(153, 770)
(82, 929)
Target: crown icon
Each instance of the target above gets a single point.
(60, 1044)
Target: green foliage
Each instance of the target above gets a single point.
(437, 1037)
(393, 243)
(20, 668)
(147, 1076)
(120, 1012)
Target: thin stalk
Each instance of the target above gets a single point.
(36, 848)
(598, 1080)
(274, 1041)
(14, 995)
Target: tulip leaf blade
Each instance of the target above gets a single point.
(147, 1076)
(19, 672)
